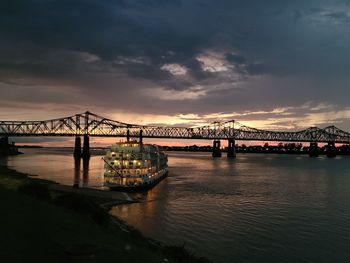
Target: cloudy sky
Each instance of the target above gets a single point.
(270, 64)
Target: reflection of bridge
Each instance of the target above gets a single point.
(89, 124)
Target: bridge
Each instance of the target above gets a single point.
(88, 124)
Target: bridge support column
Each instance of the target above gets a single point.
(128, 135)
(86, 147)
(313, 151)
(331, 150)
(141, 136)
(216, 149)
(77, 148)
(231, 148)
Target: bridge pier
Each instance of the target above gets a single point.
(77, 148)
(86, 147)
(141, 136)
(331, 150)
(313, 151)
(231, 148)
(216, 149)
(128, 135)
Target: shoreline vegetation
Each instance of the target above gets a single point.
(286, 148)
(7, 149)
(49, 222)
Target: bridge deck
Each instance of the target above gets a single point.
(97, 126)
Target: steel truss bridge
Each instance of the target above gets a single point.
(94, 125)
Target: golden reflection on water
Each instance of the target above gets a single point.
(76, 182)
(146, 211)
(84, 173)
(60, 166)
(86, 166)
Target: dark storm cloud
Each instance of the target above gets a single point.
(174, 56)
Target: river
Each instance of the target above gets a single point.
(255, 208)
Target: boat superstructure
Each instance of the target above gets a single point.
(134, 166)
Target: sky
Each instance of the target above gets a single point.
(273, 64)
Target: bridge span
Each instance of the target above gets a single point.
(89, 124)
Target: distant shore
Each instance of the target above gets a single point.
(288, 148)
(7, 149)
(29, 146)
(66, 219)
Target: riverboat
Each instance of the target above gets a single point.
(133, 166)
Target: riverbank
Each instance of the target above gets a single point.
(44, 221)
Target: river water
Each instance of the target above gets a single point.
(256, 208)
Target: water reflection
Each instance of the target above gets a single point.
(86, 163)
(149, 209)
(84, 173)
(76, 182)
(60, 166)
(255, 208)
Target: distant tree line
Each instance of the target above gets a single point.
(282, 148)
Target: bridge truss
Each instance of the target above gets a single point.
(94, 125)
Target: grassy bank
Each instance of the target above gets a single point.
(54, 227)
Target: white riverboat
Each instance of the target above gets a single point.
(134, 166)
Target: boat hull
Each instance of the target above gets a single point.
(139, 188)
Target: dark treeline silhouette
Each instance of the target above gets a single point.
(7, 148)
(281, 148)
